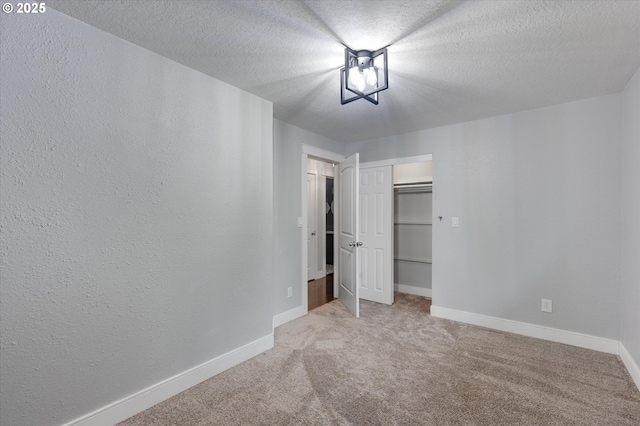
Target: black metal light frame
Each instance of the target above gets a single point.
(362, 58)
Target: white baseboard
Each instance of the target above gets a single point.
(140, 401)
(409, 289)
(290, 315)
(632, 367)
(599, 344)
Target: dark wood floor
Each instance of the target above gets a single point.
(320, 291)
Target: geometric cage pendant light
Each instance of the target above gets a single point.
(365, 73)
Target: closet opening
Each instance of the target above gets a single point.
(413, 227)
(320, 242)
(396, 229)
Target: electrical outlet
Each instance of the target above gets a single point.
(289, 292)
(547, 305)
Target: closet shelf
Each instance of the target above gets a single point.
(413, 188)
(412, 222)
(411, 259)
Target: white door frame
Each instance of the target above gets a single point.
(332, 157)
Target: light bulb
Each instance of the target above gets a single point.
(353, 75)
(365, 73)
(372, 77)
(356, 78)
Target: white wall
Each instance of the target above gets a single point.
(287, 186)
(630, 312)
(137, 227)
(538, 197)
(419, 172)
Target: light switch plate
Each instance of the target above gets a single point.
(454, 221)
(299, 222)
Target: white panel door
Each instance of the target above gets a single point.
(348, 234)
(311, 226)
(376, 234)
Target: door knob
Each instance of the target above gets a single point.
(359, 244)
(313, 233)
(352, 244)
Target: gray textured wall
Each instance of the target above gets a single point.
(538, 197)
(287, 151)
(630, 335)
(137, 228)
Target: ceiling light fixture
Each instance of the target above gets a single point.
(364, 75)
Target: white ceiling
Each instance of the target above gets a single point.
(449, 61)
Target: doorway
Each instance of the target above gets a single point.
(413, 228)
(320, 227)
(346, 244)
(396, 201)
(348, 267)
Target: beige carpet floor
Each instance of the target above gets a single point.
(397, 365)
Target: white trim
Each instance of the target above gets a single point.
(336, 235)
(632, 367)
(289, 315)
(322, 153)
(409, 289)
(394, 161)
(304, 289)
(140, 401)
(599, 344)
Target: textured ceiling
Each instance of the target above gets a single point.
(449, 61)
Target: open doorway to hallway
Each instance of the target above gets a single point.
(320, 291)
(320, 232)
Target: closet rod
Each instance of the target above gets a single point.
(413, 188)
(413, 185)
